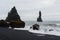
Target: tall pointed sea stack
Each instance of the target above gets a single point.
(14, 19)
(39, 19)
(13, 15)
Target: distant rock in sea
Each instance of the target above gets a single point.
(35, 27)
(39, 19)
(14, 19)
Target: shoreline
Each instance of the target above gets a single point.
(23, 35)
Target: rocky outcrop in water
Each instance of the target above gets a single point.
(39, 19)
(14, 19)
(35, 27)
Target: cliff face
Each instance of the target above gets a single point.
(4, 24)
(14, 19)
(39, 19)
(13, 15)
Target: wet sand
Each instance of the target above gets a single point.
(10, 34)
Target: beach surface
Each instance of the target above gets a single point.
(10, 34)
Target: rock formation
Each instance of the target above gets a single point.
(13, 15)
(35, 27)
(3, 23)
(14, 19)
(39, 19)
(17, 24)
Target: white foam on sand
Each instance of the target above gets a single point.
(43, 30)
(26, 28)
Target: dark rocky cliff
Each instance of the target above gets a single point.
(13, 15)
(14, 19)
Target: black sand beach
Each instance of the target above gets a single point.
(10, 34)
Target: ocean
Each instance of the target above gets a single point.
(44, 27)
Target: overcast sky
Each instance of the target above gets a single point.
(29, 9)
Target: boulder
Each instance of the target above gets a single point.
(35, 27)
(39, 19)
(3, 23)
(14, 19)
(51, 30)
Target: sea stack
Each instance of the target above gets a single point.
(39, 19)
(13, 15)
(14, 19)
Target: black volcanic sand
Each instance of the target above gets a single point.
(10, 34)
